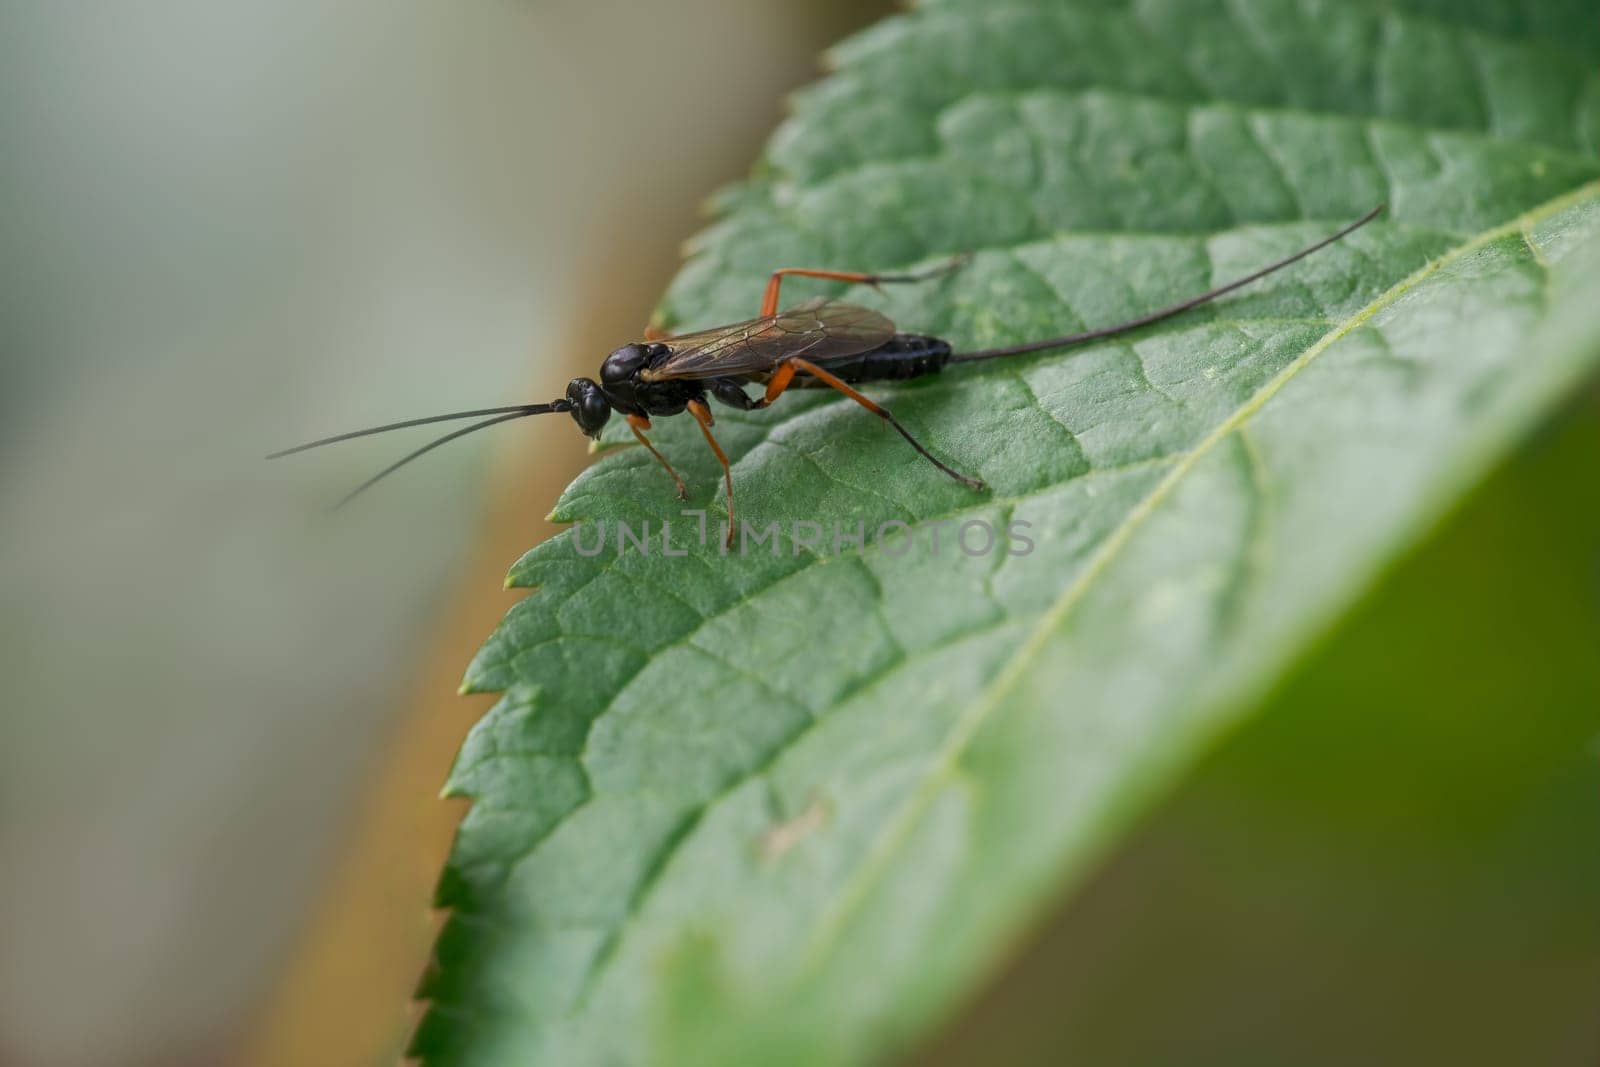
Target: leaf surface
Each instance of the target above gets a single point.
(794, 803)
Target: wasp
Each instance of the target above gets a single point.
(821, 343)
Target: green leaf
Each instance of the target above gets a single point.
(1393, 861)
(794, 806)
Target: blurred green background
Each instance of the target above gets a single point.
(231, 227)
(1398, 860)
(227, 228)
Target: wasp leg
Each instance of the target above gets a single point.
(702, 415)
(652, 332)
(731, 392)
(874, 407)
(639, 424)
(782, 375)
(769, 303)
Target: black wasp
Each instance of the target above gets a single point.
(819, 343)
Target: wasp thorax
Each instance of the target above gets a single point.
(624, 363)
(590, 408)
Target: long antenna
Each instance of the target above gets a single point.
(429, 447)
(1166, 312)
(521, 409)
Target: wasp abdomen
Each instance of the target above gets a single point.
(903, 356)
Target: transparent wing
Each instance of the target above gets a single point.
(819, 330)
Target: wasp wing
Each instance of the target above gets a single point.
(819, 330)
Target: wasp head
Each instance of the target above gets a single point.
(590, 408)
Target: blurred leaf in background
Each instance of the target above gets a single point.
(944, 743)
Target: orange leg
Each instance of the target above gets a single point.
(781, 377)
(769, 303)
(639, 424)
(653, 332)
(871, 405)
(702, 415)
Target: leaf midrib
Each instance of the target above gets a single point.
(990, 697)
